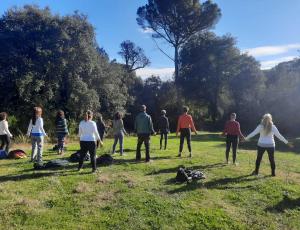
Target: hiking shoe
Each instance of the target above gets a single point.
(190, 156)
(94, 171)
(179, 155)
(149, 161)
(79, 170)
(254, 173)
(236, 163)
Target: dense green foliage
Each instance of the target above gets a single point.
(128, 195)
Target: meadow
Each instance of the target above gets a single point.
(131, 195)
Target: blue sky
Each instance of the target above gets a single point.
(266, 29)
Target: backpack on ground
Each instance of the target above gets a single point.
(52, 164)
(105, 159)
(76, 156)
(188, 175)
(17, 154)
(3, 154)
(55, 148)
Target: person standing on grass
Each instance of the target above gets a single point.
(101, 127)
(89, 136)
(232, 131)
(37, 133)
(266, 142)
(61, 130)
(119, 132)
(5, 134)
(184, 126)
(144, 128)
(163, 128)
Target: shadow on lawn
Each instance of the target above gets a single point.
(286, 203)
(199, 167)
(222, 184)
(203, 137)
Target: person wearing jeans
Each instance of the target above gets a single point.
(5, 134)
(88, 134)
(232, 131)
(144, 128)
(184, 126)
(37, 133)
(119, 132)
(164, 128)
(266, 142)
(61, 131)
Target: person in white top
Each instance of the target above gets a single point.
(89, 139)
(266, 141)
(5, 134)
(37, 133)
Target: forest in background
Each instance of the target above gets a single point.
(55, 62)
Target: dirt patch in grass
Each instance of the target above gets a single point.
(104, 179)
(27, 202)
(82, 187)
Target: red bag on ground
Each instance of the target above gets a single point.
(17, 154)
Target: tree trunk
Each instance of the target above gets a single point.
(176, 62)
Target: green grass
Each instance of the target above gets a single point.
(129, 195)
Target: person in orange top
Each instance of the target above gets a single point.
(184, 126)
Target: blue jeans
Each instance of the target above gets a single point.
(118, 137)
(61, 141)
(37, 143)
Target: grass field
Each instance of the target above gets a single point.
(130, 195)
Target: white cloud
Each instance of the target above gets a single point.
(271, 50)
(164, 73)
(147, 31)
(271, 63)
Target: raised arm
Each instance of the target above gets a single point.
(279, 136)
(255, 132)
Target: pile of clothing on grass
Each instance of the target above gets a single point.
(14, 154)
(189, 175)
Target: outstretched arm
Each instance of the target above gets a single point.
(255, 132)
(279, 136)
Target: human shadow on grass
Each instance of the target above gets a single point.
(222, 184)
(120, 161)
(203, 137)
(193, 167)
(285, 204)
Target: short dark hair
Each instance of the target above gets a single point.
(233, 115)
(163, 112)
(3, 115)
(185, 109)
(117, 116)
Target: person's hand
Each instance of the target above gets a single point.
(196, 133)
(176, 134)
(243, 139)
(290, 145)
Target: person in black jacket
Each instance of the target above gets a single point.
(101, 127)
(163, 128)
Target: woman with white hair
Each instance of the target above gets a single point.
(266, 142)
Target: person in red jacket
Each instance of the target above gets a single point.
(184, 126)
(233, 132)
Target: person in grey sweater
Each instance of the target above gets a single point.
(144, 128)
(119, 132)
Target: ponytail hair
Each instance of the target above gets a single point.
(88, 115)
(267, 123)
(37, 111)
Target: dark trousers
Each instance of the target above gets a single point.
(185, 133)
(143, 138)
(231, 140)
(260, 153)
(163, 135)
(61, 141)
(5, 141)
(85, 147)
(101, 134)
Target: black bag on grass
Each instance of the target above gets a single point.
(76, 156)
(105, 159)
(188, 175)
(52, 164)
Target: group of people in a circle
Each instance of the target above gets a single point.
(91, 135)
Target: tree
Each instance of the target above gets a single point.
(133, 56)
(207, 62)
(177, 21)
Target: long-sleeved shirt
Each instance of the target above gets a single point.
(143, 124)
(4, 128)
(37, 129)
(163, 124)
(61, 126)
(233, 128)
(266, 140)
(118, 127)
(88, 131)
(185, 121)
